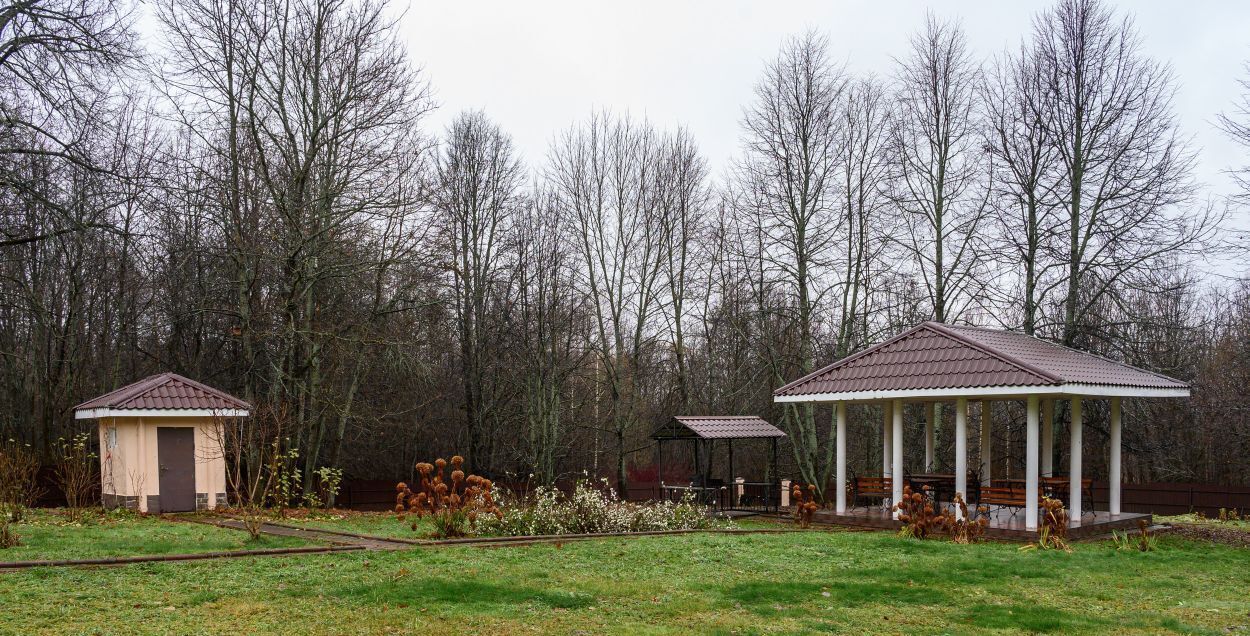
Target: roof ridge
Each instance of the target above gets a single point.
(952, 332)
(127, 391)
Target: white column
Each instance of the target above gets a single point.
(840, 484)
(1048, 438)
(887, 433)
(785, 493)
(930, 422)
(986, 443)
(1074, 463)
(1114, 468)
(896, 477)
(1030, 466)
(961, 451)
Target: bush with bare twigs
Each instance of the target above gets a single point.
(803, 503)
(74, 469)
(1052, 532)
(918, 514)
(454, 504)
(965, 529)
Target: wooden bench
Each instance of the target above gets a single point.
(871, 488)
(1057, 487)
(1009, 496)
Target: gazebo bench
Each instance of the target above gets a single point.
(871, 488)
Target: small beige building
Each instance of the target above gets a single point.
(161, 443)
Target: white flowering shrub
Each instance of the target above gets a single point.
(590, 510)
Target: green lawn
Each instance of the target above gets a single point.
(48, 534)
(860, 582)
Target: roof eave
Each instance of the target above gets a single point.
(103, 412)
(1068, 389)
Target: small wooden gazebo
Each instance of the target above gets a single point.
(934, 363)
(702, 432)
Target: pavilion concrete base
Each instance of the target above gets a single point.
(1003, 525)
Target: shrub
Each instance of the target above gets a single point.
(19, 487)
(453, 505)
(74, 470)
(591, 510)
(917, 513)
(965, 529)
(804, 504)
(1052, 532)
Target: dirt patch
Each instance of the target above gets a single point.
(1230, 535)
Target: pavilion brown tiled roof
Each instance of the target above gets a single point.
(719, 427)
(165, 391)
(937, 356)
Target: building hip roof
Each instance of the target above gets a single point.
(934, 356)
(165, 391)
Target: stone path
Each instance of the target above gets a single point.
(311, 534)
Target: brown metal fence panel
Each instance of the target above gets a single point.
(1167, 498)
(1160, 498)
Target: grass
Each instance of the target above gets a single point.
(49, 534)
(1243, 523)
(862, 582)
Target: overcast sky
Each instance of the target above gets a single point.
(536, 67)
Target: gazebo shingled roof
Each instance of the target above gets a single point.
(717, 427)
(934, 357)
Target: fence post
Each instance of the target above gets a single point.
(785, 493)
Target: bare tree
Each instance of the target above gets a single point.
(940, 172)
(1125, 183)
(1237, 126)
(1017, 135)
(477, 194)
(553, 332)
(683, 194)
(787, 190)
(62, 66)
(603, 173)
(865, 170)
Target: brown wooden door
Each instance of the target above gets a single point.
(175, 452)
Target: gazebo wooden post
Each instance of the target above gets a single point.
(1031, 465)
(659, 466)
(1048, 438)
(776, 467)
(1113, 468)
(896, 479)
(930, 421)
(733, 493)
(961, 452)
(1074, 462)
(986, 444)
(840, 480)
